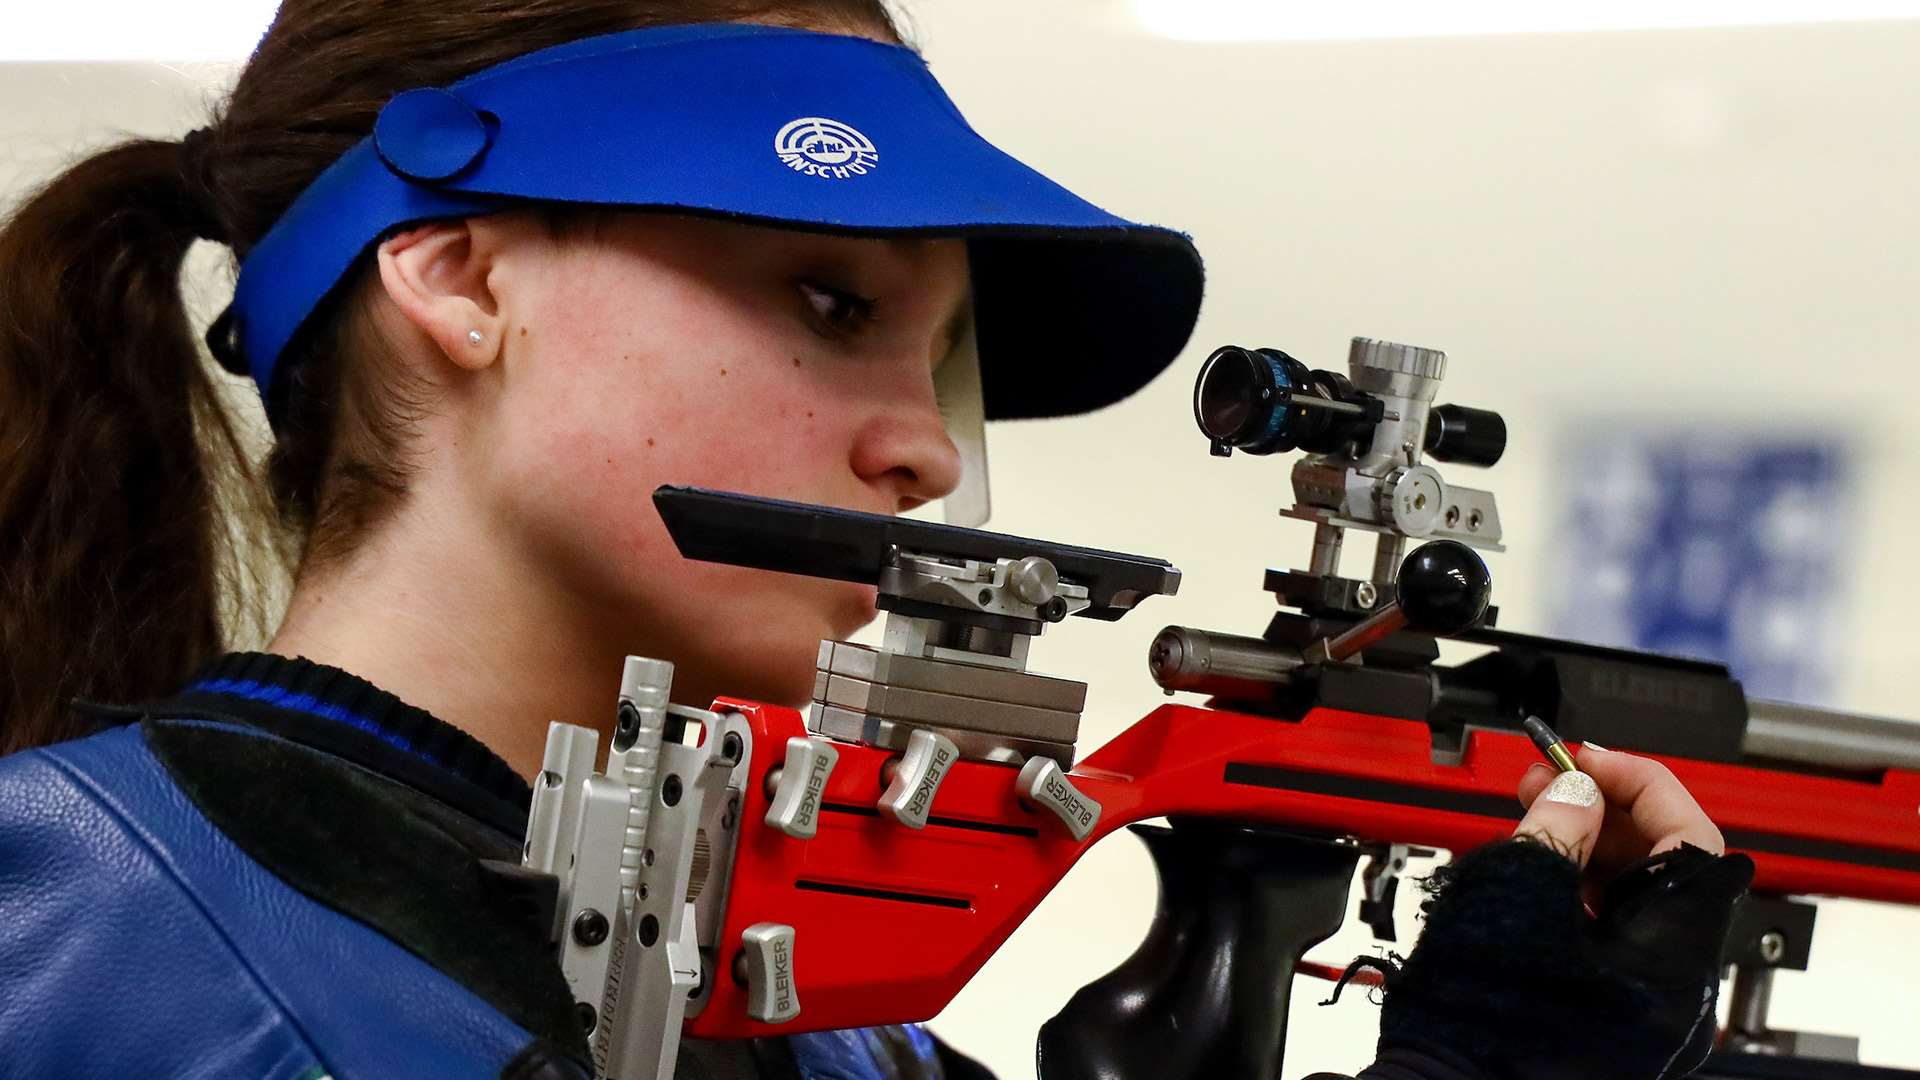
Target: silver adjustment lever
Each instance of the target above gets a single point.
(1042, 783)
(917, 776)
(766, 958)
(1442, 588)
(798, 784)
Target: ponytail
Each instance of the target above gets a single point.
(114, 448)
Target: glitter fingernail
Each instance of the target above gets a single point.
(1572, 788)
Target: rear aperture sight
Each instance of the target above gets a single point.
(1371, 438)
(1263, 401)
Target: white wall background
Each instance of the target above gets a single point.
(1709, 226)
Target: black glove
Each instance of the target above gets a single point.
(1513, 978)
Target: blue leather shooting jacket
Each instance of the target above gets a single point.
(284, 872)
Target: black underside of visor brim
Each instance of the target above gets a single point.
(1075, 321)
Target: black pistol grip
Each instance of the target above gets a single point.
(1205, 995)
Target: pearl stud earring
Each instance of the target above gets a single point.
(474, 337)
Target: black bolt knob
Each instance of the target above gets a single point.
(1443, 587)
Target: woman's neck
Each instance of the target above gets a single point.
(459, 628)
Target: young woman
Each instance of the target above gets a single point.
(505, 269)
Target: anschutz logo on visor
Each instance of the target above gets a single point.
(817, 146)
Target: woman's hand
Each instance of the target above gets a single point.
(1617, 810)
(1587, 948)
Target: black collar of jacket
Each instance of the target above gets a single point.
(346, 716)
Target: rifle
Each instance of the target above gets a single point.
(726, 873)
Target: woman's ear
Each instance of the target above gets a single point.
(440, 277)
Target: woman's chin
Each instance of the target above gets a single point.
(854, 613)
(786, 682)
(783, 652)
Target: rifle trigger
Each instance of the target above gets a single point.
(1380, 882)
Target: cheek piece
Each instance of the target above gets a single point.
(1074, 308)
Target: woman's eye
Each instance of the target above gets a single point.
(836, 311)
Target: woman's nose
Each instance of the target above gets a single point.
(907, 453)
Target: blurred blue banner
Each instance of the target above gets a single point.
(1722, 546)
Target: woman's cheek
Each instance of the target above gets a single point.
(777, 437)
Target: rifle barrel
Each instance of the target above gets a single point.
(1789, 732)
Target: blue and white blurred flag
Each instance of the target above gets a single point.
(1720, 546)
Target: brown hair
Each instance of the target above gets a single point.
(124, 481)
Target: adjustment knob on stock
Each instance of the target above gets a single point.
(1034, 580)
(1442, 589)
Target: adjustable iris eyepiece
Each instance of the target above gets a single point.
(1263, 401)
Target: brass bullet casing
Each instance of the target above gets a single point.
(1549, 744)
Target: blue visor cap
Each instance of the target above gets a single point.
(1074, 307)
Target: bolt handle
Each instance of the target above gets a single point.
(1443, 587)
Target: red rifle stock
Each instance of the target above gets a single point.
(890, 923)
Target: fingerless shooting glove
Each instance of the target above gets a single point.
(1513, 980)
